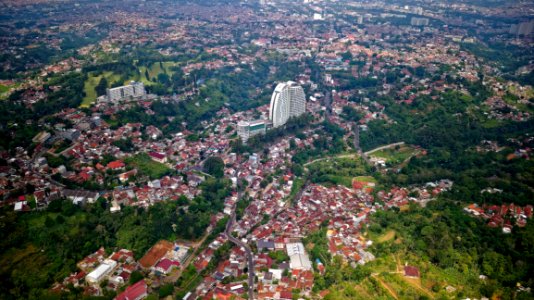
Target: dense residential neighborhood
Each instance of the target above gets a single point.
(266, 149)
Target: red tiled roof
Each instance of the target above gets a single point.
(156, 155)
(165, 264)
(133, 292)
(115, 164)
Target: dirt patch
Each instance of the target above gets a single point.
(155, 254)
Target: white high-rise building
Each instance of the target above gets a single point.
(288, 100)
(134, 89)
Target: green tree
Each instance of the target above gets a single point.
(135, 277)
(214, 166)
(166, 290)
(101, 87)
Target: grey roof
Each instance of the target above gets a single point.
(265, 244)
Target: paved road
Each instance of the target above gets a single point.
(327, 102)
(248, 252)
(384, 147)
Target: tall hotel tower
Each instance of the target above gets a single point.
(288, 100)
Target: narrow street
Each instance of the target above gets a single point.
(249, 254)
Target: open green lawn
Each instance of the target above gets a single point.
(92, 82)
(4, 88)
(365, 179)
(154, 70)
(393, 155)
(339, 170)
(147, 166)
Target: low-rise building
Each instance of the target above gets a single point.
(101, 271)
(248, 129)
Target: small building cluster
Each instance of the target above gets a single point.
(504, 216)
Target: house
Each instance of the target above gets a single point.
(412, 272)
(123, 177)
(41, 137)
(286, 295)
(166, 265)
(80, 196)
(158, 157)
(22, 206)
(221, 294)
(115, 165)
(194, 180)
(265, 244)
(134, 292)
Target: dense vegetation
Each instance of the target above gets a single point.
(450, 134)
(39, 248)
(455, 242)
(19, 123)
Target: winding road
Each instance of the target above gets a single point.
(248, 252)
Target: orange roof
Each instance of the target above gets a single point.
(117, 164)
(155, 253)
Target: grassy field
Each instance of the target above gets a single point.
(147, 166)
(339, 170)
(395, 156)
(153, 71)
(365, 179)
(92, 82)
(389, 235)
(298, 183)
(4, 88)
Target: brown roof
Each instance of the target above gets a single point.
(410, 271)
(155, 254)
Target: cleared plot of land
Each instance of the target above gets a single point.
(147, 166)
(396, 154)
(155, 253)
(386, 236)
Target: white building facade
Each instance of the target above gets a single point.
(134, 89)
(288, 100)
